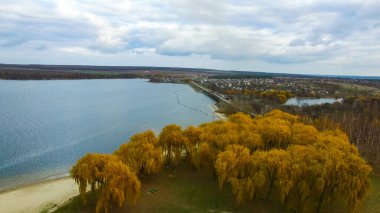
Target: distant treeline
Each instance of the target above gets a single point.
(241, 76)
(123, 69)
(88, 68)
(50, 75)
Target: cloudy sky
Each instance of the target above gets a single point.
(314, 37)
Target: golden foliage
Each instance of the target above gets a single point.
(203, 157)
(280, 96)
(303, 134)
(173, 143)
(230, 163)
(275, 156)
(142, 154)
(106, 173)
(192, 136)
(303, 168)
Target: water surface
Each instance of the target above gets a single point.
(311, 101)
(45, 126)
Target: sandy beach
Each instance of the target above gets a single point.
(218, 115)
(38, 196)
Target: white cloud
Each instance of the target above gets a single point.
(78, 50)
(290, 36)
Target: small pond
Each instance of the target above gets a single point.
(311, 101)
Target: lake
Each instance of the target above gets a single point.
(311, 101)
(45, 126)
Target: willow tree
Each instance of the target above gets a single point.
(220, 134)
(231, 163)
(302, 134)
(113, 181)
(246, 132)
(275, 156)
(142, 154)
(204, 157)
(280, 96)
(304, 169)
(278, 114)
(173, 143)
(347, 179)
(193, 136)
(275, 132)
(214, 138)
(242, 171)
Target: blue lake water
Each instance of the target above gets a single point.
(45, 126)
(311, 101)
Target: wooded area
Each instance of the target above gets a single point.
(276, 157)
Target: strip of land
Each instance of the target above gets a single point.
(39, 196)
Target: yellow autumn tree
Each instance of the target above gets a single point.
(277, 156)
(304, 169)
(278, 114)
(275, 132)
(323, 174)
(114, 182)
(204, 156)
(214, 137)
(231, 163)
(173, 143)
(302, 134)
(142, 154)
(246, 174)
(280, 96)
(193, 139)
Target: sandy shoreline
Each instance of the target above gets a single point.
(38, 196)
(220, 116)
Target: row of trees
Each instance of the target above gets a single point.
(277, 96)
(276, 156)
(115, 176)
(358, 117)
(48, 75)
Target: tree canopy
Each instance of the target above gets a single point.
(277, 156)
(172, 142)
(107, 174)
(142, 154)
(303, 168)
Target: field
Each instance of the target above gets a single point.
(185, 190)
(350, 89)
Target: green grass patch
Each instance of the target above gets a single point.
(185, 190)
(76, 204)
(372, 203)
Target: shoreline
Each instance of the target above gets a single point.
(35, 197)
(36, 181)
(220, 116)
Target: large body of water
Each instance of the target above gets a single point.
(45, 126)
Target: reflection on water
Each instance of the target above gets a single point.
(311, 101)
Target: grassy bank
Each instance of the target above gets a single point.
(185, 190)
(180, 190)
(372, 203)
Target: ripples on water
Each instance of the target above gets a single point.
(45, 126)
